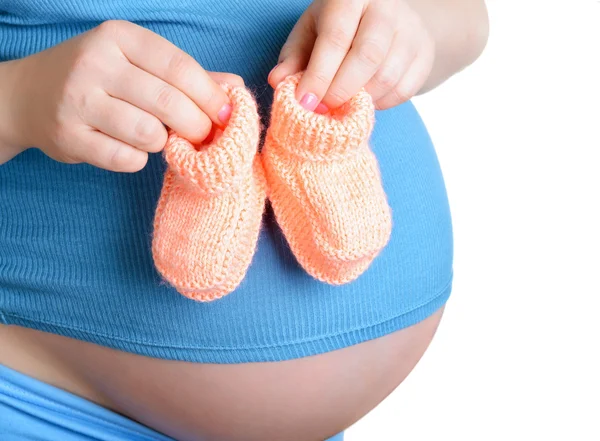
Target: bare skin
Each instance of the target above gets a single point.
(395, 49)
(307, 399)
(103, 99)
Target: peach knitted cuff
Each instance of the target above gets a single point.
(214, 168)
(319, 137)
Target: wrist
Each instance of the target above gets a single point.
(11, 136)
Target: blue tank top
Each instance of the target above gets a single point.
(75, 254)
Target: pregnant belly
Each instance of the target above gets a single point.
(310, 398)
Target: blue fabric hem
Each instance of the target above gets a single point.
(246, 355)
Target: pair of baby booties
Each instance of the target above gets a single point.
(318, 172)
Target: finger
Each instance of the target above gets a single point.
(296, 51)
(125, 122)
(336, 28)
(165, 102)
(108, 153)
(215, 133)
(369, 50)
(410, 84)
(174, 66)
(226, 77)
(397, 62)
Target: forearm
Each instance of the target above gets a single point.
(9, 143)
(460, 30)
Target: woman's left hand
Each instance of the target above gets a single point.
(345, 45)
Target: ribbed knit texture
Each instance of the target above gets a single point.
(75, 241)
(210, 209)
(325, 186)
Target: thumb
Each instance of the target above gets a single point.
(296, 51)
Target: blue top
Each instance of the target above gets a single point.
(75, 240)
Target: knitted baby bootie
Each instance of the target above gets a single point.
(325, 186)
(209, 213)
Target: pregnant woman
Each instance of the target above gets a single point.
(94, 345)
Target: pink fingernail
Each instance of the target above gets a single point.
(322, 108)
(309, 101)
(225, 113)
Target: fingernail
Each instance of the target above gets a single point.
(225, 113)
(322, 108)
(309, 101)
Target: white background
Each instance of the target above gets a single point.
(517, 355)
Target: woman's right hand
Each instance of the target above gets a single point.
(102, 97)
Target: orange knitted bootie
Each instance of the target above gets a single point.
(325, 185)
(209, 213)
